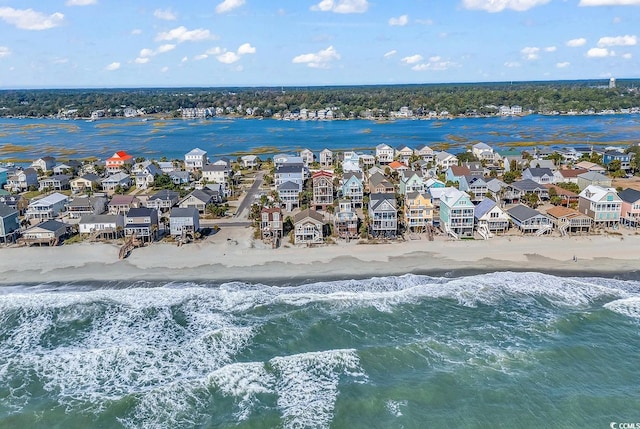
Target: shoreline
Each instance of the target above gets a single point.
(232, 255)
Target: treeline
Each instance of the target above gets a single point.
(346, 101)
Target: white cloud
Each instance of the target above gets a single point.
(197, 57)
(141, 60)
(113, 66)
(165, 48)
(184, 59)
(618, 41)
(321, 59)
(214, 51)
(424, 21)
(550, 49)
(627, 56)
(341, 6)
(512, 64)
(530, 53)
(246, 48)
(400, 21)
(500, 5)
(136, 31)
(563, 65)
(181, 34)
(228, 5)
(228, 57)
(390, 53)
(80, 2)
(4, 51)
(164, 69)
(435, 63)
(29, 19)
(609, 3)
(146, 52)
(412, 59)
(166, 14)
(599, 53)
(574, 43)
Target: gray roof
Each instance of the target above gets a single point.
(290, 168)
(308, 213)
(51, 225)
(6, 211)
(527, 185)
(140, 211)
(190, 212)
(375, 200)
(522, 212)
(540, 171)
(165, 194)
(288, 185)
(103, 218)
(629, 195)
(593, 176)
(215, 167)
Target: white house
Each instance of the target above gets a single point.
(47, 207)
(384, 153)
(196, 158)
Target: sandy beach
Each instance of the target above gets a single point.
(232, 255)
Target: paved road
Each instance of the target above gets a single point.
(249, 197)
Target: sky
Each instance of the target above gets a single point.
(201, 43)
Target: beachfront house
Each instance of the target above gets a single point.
(345, 220)
(9, 223)
(163, 200)
(308, 227)
(216, 173)
(122, 204)
(308, 157)
(184, 222)
(326, 158)
(4, 175)
(383, 215)
(384, 153)
(49, 232)
(322, 189)
(101, 226)
(249, 161)
(593, 178)
(378, 184)
(18, 202)
(120, 180)
(418, 211)
(82, 206)
(69, 168)
(403, 153)
(567, 220)
(603, 205)
(613, 155)
(424, 152)
(87, 183)
(455, 173)
(456, 213)
(411, 181)
(445, 160)
(119, 161)
(22, 180)
(353, 188)
(143, 222)
(146, 175)
(630, 208)
(179, 177)
(398, 167)
(47, 207)
(351, 162)
(483, 152)
(289, 193)
(476, 187)
(200, 198)
(591, 166)
(58, 182)
(529, 220)
(516, 191)
(567, 175)
(271, 224)
(195, 159)
(490, 218)
(44, 164)
(290, 173)
(541, 176)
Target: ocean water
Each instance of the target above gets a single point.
(504, 349)
(28, 139)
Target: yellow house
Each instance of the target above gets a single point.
(418, 211)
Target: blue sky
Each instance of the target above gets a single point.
(166, 43)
